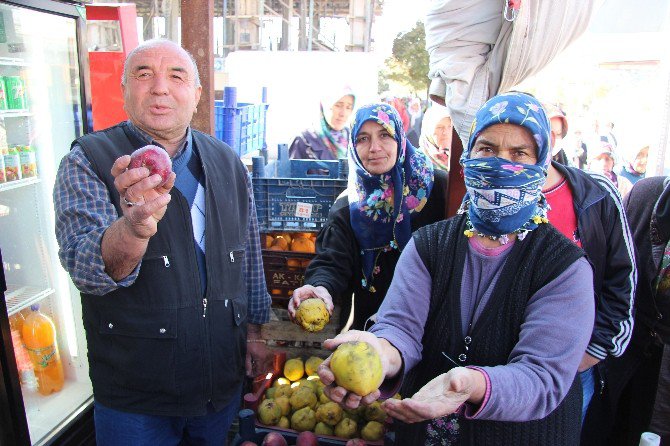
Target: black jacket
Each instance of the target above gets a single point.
(603, 231)
(337, 265)
(650, 241)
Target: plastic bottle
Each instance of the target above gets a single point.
(23, 362)
(650, 439)
(39, 337)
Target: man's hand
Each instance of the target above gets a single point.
(143, 203)
(143, 199)
(440, 397)
(307, 292)
(588, 361)
(259, 356)
(391, 364)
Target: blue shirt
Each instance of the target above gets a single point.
(84, 211)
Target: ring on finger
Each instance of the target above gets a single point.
(128, 203)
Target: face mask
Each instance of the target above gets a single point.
(504, 197)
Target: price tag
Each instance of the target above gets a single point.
(303, 210)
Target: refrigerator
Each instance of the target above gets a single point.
(44, 106)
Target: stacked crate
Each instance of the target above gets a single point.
(293, 198)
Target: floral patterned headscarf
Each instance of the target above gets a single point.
(505, 197)
(381, 206)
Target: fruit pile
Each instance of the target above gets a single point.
(292, 241)
(297, 401)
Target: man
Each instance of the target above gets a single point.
(587, 209)
(167, 317)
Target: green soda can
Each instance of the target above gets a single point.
(16, 94)
(3, 94)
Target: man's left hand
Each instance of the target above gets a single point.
(259, 356)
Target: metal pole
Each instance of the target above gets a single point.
(310, 26)
(225, 18)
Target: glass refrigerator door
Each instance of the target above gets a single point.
(40, 115)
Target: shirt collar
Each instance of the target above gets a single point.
(188, 141)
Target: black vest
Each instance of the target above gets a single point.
(150, 348)
(532, 263)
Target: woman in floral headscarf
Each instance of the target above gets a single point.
(329, 138)
(393, 190)
(489, 313)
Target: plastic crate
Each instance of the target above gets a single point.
(284, 271)
(296, 195)
(240, 125)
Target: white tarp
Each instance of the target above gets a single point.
(475, 53)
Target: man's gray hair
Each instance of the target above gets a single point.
(154, 43)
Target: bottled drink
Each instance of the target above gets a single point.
(39, 337)
(23, 363)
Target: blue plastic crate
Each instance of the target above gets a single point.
(240, 125)
(300, 196)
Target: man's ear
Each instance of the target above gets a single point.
(552, 139)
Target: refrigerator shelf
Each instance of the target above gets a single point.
(15, 113)
(20, 297)
(18, 183)
(13, 62)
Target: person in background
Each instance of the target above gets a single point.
(603, 162)
(416, 118)
(393, 190)
(580, 153)
(329, 138)
(587, 209)
(559, 128)
(635, 169)
(489, 312)
(168, 319)
(436, 135)
(633, 379)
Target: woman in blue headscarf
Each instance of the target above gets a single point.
(489, 312)
(393, 190)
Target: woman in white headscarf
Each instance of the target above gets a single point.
(436, 135)
(329, 138)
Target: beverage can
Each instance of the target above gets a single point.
(39, 337)
(12, 165)
(15, 92)
(28, 161)
(2, 169)
(3, 94)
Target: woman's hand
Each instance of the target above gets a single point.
(391, 363)
(307, 292)
(440, 397)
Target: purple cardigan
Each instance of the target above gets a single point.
(555, 332)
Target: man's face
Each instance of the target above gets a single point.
(160, 95)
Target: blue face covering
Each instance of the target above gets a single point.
(505, 197)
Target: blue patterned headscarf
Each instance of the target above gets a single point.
(381, 206)
(505, 197)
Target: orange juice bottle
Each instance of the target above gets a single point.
(39, 337)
